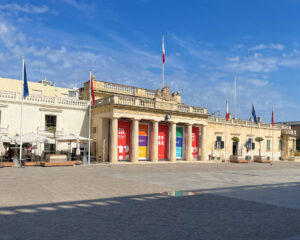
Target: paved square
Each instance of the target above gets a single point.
(229, 201)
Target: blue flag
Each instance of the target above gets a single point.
(25, 84)
(254, 114)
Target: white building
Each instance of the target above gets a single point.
(46, 107)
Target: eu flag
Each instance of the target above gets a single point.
(25, 84)
(254, 114)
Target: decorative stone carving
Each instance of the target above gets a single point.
(166, 94)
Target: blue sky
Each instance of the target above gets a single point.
(206, 43)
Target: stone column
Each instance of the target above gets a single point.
(189, 143)
(173, 143)
(135, 141)
(203, 138)
(155, 142)
(113, 155)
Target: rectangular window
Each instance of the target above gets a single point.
(250, 144)
(219, 144)
(268, 145)
(94, 130)
(49, 148)
(50, 121)
(280, 145)
(297, 144)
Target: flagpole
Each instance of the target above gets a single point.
(90, 111)
(272, 136)
(234, 96)
(21, 143)
(163, 77)
(163, 61)
(226, 132)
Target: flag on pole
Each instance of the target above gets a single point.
(163, 50)
(272, 120)
(227, 114)
(254, 114)
(25, 83)
(92, 88)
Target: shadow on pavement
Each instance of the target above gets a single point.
(153, 216)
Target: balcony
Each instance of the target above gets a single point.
(43, 100)
(147, 103)
(4, 130)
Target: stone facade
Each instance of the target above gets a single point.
(190, 133)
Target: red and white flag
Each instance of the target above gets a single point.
(272, 120)
(92, 88)
(163, 50)
(227, 111)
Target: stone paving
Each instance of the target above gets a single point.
(229, 201)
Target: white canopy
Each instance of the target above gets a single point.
(33, 137)
(6, 139)
(2, 150)
(72, 138)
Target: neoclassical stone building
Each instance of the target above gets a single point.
(135, 124)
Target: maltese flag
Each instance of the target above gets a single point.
(163, 50)
(227, 111)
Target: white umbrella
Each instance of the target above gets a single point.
(77, 147)
(33, 137)
(2, 149)
(6, 139)
(72, 138)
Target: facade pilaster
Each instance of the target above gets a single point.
(189, 148)
(113, 156)
(173, 142)
(135, 141)
(203, 148)
(155, 142)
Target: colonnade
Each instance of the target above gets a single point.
(113, 151)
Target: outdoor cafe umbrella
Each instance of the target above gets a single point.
(2, 149)
(32, 138)
(73, 138)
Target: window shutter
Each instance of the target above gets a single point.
(216, 144)
(222, 144)
(253, 145)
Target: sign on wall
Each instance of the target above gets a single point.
(195, 142)
(123, 140)
(163, 141)
(143, 141)
(179, 142)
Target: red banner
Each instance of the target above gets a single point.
(163, 141)
(195, 142)
(123, 140)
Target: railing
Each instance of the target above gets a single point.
(183, 108)
(4, 130)
(241, 122)
(126, 100)
(39, 99)
(198, 110)
(120, 87)
(148, 103)
(150, 93)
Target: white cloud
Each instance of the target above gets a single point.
(27, 8)
(278, 47)
(257, 82)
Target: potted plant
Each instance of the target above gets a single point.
(259, 140)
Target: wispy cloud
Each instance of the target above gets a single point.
(27, 8)
(278, 47)
(80, 6)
